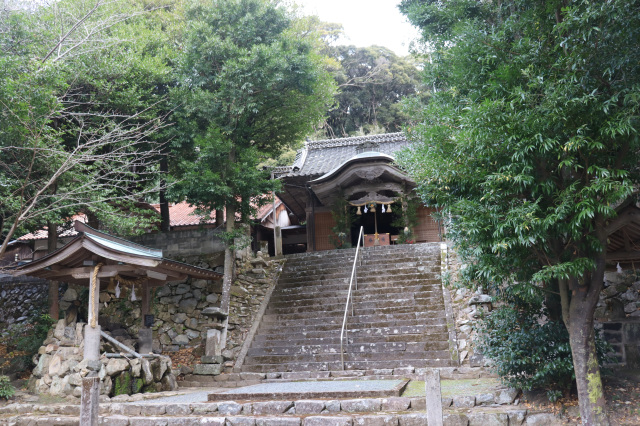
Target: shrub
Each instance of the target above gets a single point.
(530, 352)
(6, 389)
(24, 340)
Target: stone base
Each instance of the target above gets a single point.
(215, 359)
(207, 369)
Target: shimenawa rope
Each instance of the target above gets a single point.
(94, 281)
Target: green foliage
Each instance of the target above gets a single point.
(529, 351)
(250, 86)
(408, 220)
(137, 386)
(81, 113)
(23, 341)
(6, 388)
(529, 142)
(372, 82)
(343, 217)
(122, 384)
(531, 137)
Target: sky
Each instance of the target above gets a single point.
(366, 22)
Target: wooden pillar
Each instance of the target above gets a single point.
(91, 383)
(145, 305)
(54, 303)
(145, 335)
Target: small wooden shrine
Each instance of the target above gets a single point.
(92, 256)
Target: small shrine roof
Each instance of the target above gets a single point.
(117, 255)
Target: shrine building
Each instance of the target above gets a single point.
(355, 180)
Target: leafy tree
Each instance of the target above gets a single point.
(529, 143)
(372, 81)
(251, 84)
(79, 100)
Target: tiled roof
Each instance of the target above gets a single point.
(320, 157)
(43, 234)
(180, 214)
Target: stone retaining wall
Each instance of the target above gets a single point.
(188, 243)
(21, 298)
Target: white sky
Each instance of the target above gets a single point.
(366, 22)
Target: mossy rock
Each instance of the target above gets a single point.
(149, 388)
(137, 385)
(122, 384)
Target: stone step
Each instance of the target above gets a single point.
(360, 295)
(267, 342)
(433, 311)
(349, 365)
(393, 411)
(286, 281)
(423, 316)
(335, 286)
(355, 330)
(337, 309)
(349, 347)
(290, 325)
(351, 352)
(366, 265)
(422, 301)
(423, 249)
(365, 262)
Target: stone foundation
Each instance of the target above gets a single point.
(60, 367)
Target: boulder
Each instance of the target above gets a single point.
(58, 332)
(188, 305)
(116, 365)
(146, 373)
(70, 295)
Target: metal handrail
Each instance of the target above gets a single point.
(354, 277)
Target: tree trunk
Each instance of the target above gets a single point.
(165, 220)
(219, 218)
(52, 245)
(229, 261)
(583, 348)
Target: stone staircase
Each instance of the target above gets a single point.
(399, 322)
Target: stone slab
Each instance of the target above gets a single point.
(319, 389)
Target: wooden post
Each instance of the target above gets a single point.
(91, 383)
(434, 397)
(54, 302)
(145, 335)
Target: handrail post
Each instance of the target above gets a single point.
(343, 330)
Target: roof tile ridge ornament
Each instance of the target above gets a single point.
(354, 140)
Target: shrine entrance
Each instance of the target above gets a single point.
(387, 224)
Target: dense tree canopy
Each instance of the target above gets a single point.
(80, 108)
(529, 143)
(372, 81)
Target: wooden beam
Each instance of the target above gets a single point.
(625, 256)
(86, 271)
(625, 217)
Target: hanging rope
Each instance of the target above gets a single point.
(131, 282)
(92, 294)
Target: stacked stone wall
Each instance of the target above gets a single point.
(187, 243)
(60, 367)
(22, 298)
(617, 315)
